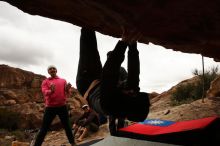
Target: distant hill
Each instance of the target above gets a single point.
(163, 109)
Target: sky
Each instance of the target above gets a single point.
(33, 43)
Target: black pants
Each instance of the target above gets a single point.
(90, 67)
(120, 105)
(111, 69)
(49, 115)
(113, 126)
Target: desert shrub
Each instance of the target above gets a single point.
(192, 91)
(182, 94)
(209, 76)
(9, 120)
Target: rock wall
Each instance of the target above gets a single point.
(19, 85)
(20, 93)
(189, 26)
(214, 90)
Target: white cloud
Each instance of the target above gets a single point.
(18, 46)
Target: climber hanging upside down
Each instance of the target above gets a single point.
(100, 85)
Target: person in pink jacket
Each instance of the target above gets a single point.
(55, 90)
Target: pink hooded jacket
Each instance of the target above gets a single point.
(58, 97)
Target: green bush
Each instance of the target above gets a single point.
(182, 94)
(8, 119)
(192, 91)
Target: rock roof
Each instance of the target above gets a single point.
(189, 26)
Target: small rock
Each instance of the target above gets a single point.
(166, 112)
(10, 102)
(18, 143)
(9, 137)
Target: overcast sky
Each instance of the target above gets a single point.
(33, 42)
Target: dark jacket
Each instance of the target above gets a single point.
(122, 82)
(107, 98)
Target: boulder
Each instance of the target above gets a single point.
(214, 90)
(189, 26)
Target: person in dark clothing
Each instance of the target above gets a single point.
(123, 76)
(103, 119)
(100, 85)
(117, 123)
(89, 121)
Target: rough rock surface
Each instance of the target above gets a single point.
(19, 86)
(31, 111)
(214, 90)
(162, 108)
(20, 93)
(61, 138)
(189, 26)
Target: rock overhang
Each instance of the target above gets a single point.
(188, 26)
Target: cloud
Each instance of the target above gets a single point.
(10, 15)
(18, 46)
(33, 40)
